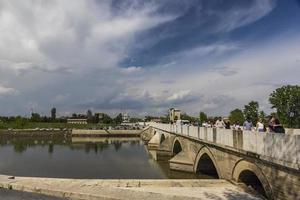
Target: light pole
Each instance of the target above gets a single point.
(291, 115)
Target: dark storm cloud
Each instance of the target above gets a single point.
(145, 101)
(140, 55)
(197, 23)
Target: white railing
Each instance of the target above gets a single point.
(281, 147)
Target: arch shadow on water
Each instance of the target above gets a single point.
(162, 138)
(206, 166)
(177, 148)
(249, 178)
(252, 176)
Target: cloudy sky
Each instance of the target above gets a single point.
(144, 56)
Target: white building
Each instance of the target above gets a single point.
(125, 118)
(174, 114)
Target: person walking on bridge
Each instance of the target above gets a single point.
(277, 127)
(260, 127)
(248, 125)
(220, 123)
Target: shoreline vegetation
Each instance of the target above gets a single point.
(44, 126)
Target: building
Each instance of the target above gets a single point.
(77, 121)
(125, 118)
(174, 114)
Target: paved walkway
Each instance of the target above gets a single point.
(128, 189)
(17, 195)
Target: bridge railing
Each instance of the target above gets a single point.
(283, 148)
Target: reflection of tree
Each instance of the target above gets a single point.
(117, 145)
(50, 148)
(3, 142)
(20, 147)
(20, 144)
(96, 148)
(87, 148)
(103, 145)
(134, 142)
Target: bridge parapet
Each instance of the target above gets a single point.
(282, 149)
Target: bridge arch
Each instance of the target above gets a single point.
(251, 175)
(206, 163)
(176, 147)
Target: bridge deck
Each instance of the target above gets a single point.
(280, 149)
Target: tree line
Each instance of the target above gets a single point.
(95, 118)
(285, 101)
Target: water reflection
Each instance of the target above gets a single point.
(20, 145)
(82, 158)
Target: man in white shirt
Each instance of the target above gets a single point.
(220, 123)
(260, 127)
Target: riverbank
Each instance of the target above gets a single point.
(105, 133)
(61, 126)
(69, 133)
(53, 133)
(128, 188)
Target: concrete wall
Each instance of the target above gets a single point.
(86, 132)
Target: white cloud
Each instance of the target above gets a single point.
(69, 34)
(251, 74)
(7, 90)
(236, 18)
(54, 51)
(131, 69)
(179, 95)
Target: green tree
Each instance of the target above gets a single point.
(165, 119)
(202, 117)
(106, 119)
(236, 117)
(148, 118)
(185, 116)
(251, 111)
(135, 119)
(53, 113)
(286, 101)
(35, 117)
(262, 116)
(89, 116)
(20, 122)
(118, 119)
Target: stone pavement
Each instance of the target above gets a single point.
(17, 195)
(94, 189)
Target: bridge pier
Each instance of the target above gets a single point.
(154, 142)
(147, 134)
(159, 147)
(182, 162)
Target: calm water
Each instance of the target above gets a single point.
(82, 158)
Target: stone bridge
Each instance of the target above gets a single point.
(269, 163)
